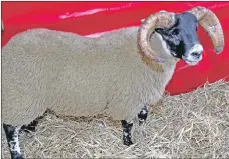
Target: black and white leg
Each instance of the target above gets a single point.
(127, 132)
(12, 133)
(142, 116)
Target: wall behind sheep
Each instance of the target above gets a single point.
(94, 18)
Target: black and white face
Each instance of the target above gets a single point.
(182, 39)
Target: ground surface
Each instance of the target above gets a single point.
(195, 124)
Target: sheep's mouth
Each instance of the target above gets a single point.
(190, 62)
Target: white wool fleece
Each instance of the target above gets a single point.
(79, 76)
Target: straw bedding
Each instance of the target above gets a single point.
(194, 124)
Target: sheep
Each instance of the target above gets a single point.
(119, 74)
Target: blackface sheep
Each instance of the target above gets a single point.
(118, 74)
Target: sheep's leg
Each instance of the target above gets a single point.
(30, 127)
(142, 116)
(127, 132)
(12, 139)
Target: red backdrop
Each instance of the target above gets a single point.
(93, 17)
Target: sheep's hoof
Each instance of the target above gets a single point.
(16, 156)
(141, 122)
(128, 142)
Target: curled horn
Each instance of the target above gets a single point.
(157, 20)
(209, 21)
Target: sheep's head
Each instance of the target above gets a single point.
(179, 31)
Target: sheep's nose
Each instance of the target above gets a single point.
(196, 51)
(196, 54)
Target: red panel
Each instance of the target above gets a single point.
(92, 17)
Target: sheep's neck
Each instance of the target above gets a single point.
(157, 67)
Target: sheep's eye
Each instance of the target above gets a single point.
(175, 32)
